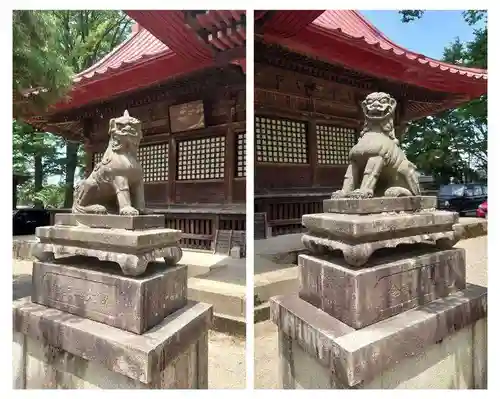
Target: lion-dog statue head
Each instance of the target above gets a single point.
(379, 110)
(125, 133)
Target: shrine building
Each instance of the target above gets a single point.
(312, 70)
(182, 73)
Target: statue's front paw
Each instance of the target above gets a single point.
(129, 211)
(339, 194)
(361, 193)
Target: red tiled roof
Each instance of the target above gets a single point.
(170, 28)
(140, 47)
(345, 37)
(355, 26)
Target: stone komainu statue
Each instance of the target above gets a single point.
(116, 184)
(378, 166)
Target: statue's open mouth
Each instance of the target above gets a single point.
(375, 113)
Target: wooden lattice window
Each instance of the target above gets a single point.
(154, 162)
(153, 159)
(241, 157)
(201, 159)
(280, 140)
(334, 144)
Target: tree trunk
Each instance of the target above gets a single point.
(71, 164)
(38, 179)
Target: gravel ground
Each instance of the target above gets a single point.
(266, 333)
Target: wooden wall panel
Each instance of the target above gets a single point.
(199, 192)
(156, 193)
(268, 177)
(330, 176)
(224, 103)
(239, 190)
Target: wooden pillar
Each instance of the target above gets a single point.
(230, 160)
(172, 169)
(313, 149)
(400, 122)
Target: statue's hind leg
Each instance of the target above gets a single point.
(85, 196)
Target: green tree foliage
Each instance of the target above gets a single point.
(76, 39)
(37, 63)
(85, 37)
(50, 196)
(454, 143)
(37, 154)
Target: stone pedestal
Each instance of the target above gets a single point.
(55, 349)
(131, 241)
(87, 288)
(112, 316)
(399, 315)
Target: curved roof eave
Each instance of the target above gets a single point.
(353, 25)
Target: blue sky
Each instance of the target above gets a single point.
(428, 35)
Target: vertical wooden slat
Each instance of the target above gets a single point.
(172, 165)
(313, 150)
(230, 164)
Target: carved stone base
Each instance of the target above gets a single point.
(390, 284)
(379, 204)
(98, 291)
(131, 249)
(357, 255)
(131, 264)
(140, 222)
(358, 236)
(130, 241)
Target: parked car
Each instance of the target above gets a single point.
(462, 198)
(482, 210)
(26, 220)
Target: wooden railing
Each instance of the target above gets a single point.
(284, 211)
(199, 229)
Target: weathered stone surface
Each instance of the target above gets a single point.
(363, 228)
(116, 184)
(357, 255)
(140, 357)
(362, 206)
(131, 264)
(49, 367)
(109, 239)
(98, 291)
(18, 361)
(127, 222)
(388, 285)
(377, 156)
(359, 236)
(357, 356)
(133, 250)
(447, 364)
